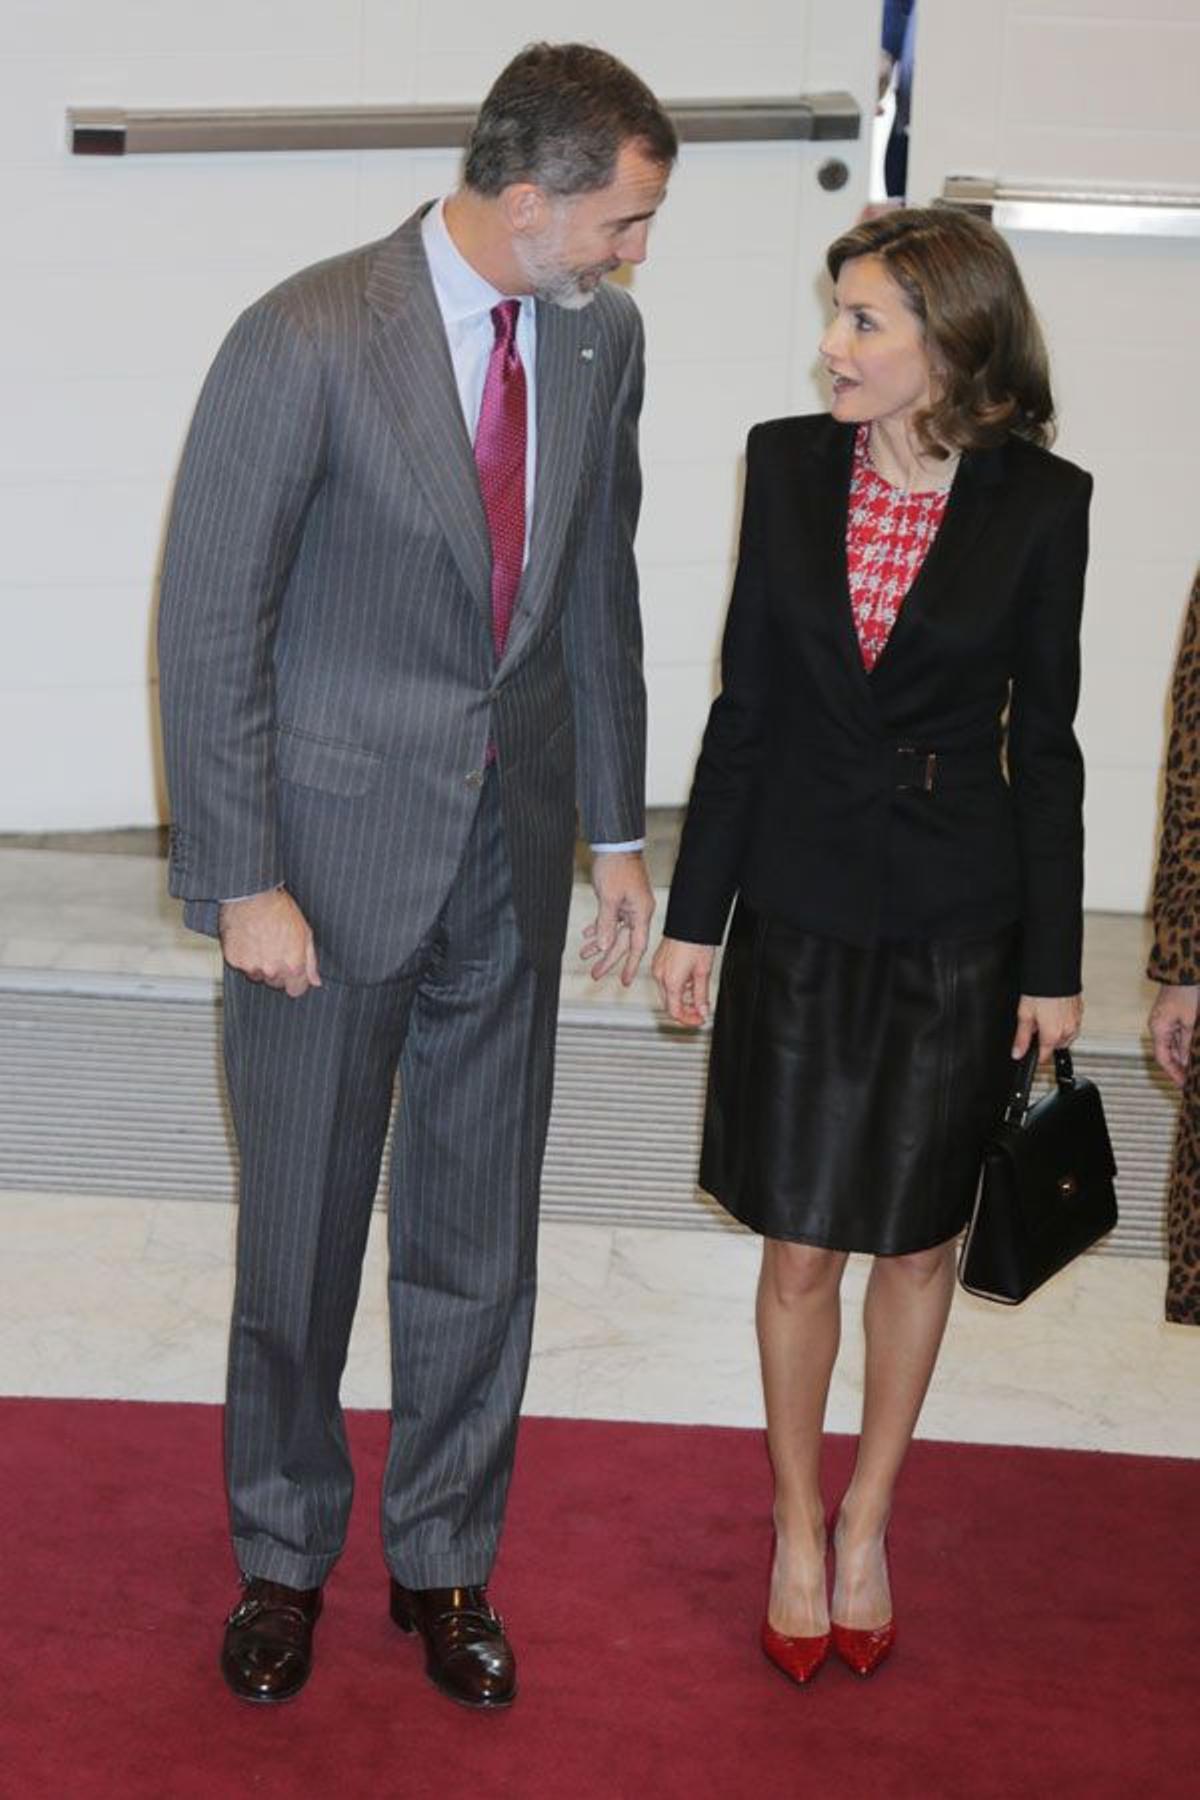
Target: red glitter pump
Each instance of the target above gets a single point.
(863, 1651)
(798, 1657)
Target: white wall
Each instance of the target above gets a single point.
(1096, 92)
(120, 278)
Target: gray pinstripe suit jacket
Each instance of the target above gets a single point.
(328, 681)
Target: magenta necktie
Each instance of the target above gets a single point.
(500, 457)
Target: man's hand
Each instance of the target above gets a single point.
(1172, 1022)
(1056, 1022)
(267, 937)
(621, 928)
(682, 972)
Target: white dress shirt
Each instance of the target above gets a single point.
(465, 300)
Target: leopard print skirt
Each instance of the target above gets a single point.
(1183, 1209)
(1175, 957)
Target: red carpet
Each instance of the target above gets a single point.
(1048, 1605)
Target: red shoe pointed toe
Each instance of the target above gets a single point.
(863, 1651)
(798, 1657)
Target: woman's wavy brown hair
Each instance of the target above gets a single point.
(959, 277)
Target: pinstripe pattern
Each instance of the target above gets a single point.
(328, 677)
(329, 687)
(471, 1023)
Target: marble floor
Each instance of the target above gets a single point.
(126, 1297)
(129, 1298)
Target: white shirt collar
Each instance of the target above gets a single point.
(462, 291)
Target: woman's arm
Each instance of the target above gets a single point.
(719, 808)
(1044, 762)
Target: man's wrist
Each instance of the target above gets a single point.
(235, 899)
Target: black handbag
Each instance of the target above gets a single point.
(1046, 1191)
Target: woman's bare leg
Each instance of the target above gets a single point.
(799, 1326)
(904, 1317)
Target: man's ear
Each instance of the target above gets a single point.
(524, 207)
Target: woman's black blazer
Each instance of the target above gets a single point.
(895, 804)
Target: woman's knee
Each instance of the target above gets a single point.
(918, 1268)
(794, 1273)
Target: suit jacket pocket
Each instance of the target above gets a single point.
(324, 763)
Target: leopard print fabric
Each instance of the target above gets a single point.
(1175, 958)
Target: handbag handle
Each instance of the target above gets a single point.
(1018, 1099)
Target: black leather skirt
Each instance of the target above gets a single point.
(851, 1089)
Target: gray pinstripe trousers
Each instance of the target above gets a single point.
(470, 1024)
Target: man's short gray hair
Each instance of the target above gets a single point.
(558, 116)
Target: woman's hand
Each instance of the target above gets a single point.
(682, 972)
(1172, 1021)
(1056, 1022)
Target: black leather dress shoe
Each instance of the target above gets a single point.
(467, 1654)
(266, 1654)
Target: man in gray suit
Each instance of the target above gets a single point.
(399, 650)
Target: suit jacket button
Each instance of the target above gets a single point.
(475, 778)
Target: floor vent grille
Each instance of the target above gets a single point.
(113, 1085)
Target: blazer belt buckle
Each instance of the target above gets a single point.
(923, 770)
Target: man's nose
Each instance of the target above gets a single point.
(635, 243)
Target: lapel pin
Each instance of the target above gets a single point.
(587, 353)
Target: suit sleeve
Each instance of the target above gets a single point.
(602, 633)
(252, 462)
(895, 24)
(1175, 955)
(1044, 761)
(724, 788)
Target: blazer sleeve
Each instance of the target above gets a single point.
(252, 462)
(1175, 954)
(1045, 766)
(602, 631)
(723, 789)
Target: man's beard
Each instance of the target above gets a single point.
(551, 280)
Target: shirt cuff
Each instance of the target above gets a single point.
(231, 899)
(611, 849)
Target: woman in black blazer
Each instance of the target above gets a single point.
(890, 787)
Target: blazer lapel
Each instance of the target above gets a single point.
(822, 487)
(410, 364)
(970, 504)
(564, 392)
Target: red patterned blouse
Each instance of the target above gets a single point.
(888, 534)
